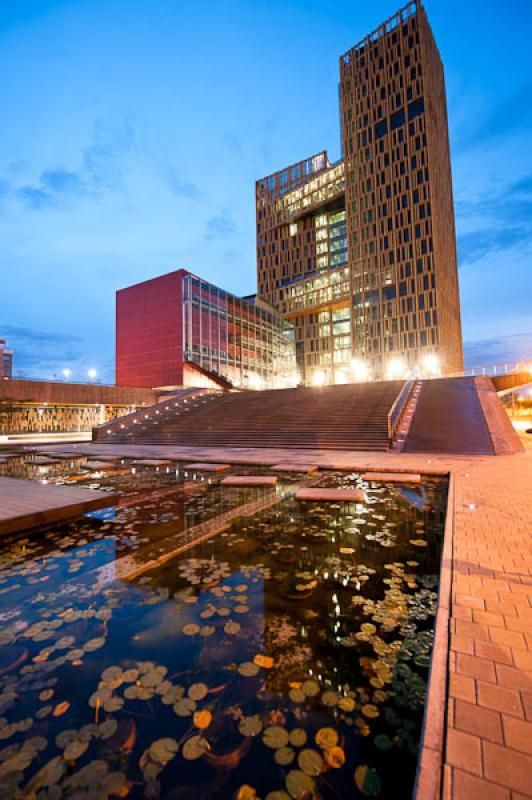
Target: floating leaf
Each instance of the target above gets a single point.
(334, 757)
(248, 669)
(326, 738)
(311, 688)
(346, 704)
(115, 703)
(367, 781)
(191, 629)
(195, 747)
(297, 695)
(231, 627)
(383, 742)
(61, 708)
(298, 737)
(202, 719)
(46, 694)
(298, 784)
(310, 762)
(263, 661)
(185, 707)
(250, 726)
(329, 699)
(370, 711)
(163, 750)
(94, 644)
(241, 609)
(284, 756)
(197, 691)
(275, 737)
(112, 674)
(419, 542)
(246, 792)
(75, 749)
(107, 729)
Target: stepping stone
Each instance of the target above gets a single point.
(151, 462)
(249, 480)
(332, 495)
(308, 469)
(392, 477)
(205, 467)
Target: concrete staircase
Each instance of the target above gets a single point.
(349, 417)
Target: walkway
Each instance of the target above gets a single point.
(449, 419)
(27, 504)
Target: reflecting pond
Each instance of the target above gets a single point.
(286, 657)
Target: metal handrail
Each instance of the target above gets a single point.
(398, 406)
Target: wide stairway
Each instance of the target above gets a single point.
(349, 417)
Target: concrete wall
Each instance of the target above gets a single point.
(74, 393)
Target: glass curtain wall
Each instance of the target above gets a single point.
(250, 346)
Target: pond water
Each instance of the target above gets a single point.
(286, 657)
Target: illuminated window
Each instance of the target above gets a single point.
(293, 228)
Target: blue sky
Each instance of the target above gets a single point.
(133, 132)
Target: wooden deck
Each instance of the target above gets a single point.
(28, 504)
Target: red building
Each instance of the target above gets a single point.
(179, 330)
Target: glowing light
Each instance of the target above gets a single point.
(319, 378)
(67, 373)
(255, 381)
(396, 369)
(341, 376)
(91, 373)
(360, 370)
(431, 364)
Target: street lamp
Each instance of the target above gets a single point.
(92, 374)
(360, 369)
(396, 369)
(67, 373)
(319, 377)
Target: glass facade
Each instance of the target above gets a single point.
(246, 343)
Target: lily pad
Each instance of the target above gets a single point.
(202, 719)
(284, 756)
(367, 781)
(195, 748)
(326, 738)
(311, 688)
(298, 784)
(248, 669)
(297, 737)
(275, 737)
(250, 726)
(185, 707)
(310, 762)
(163, 750)
(197, 691)
(75, 749)
(334, 757)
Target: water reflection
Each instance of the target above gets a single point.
(286, 657)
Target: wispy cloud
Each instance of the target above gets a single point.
(499, 122)
(500, 220)
(36, 350)
(181, 187)
(514, 347)
(102, 166)
(221, 226)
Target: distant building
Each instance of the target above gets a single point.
(179, 330)
(360, 255)
(6, 360)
